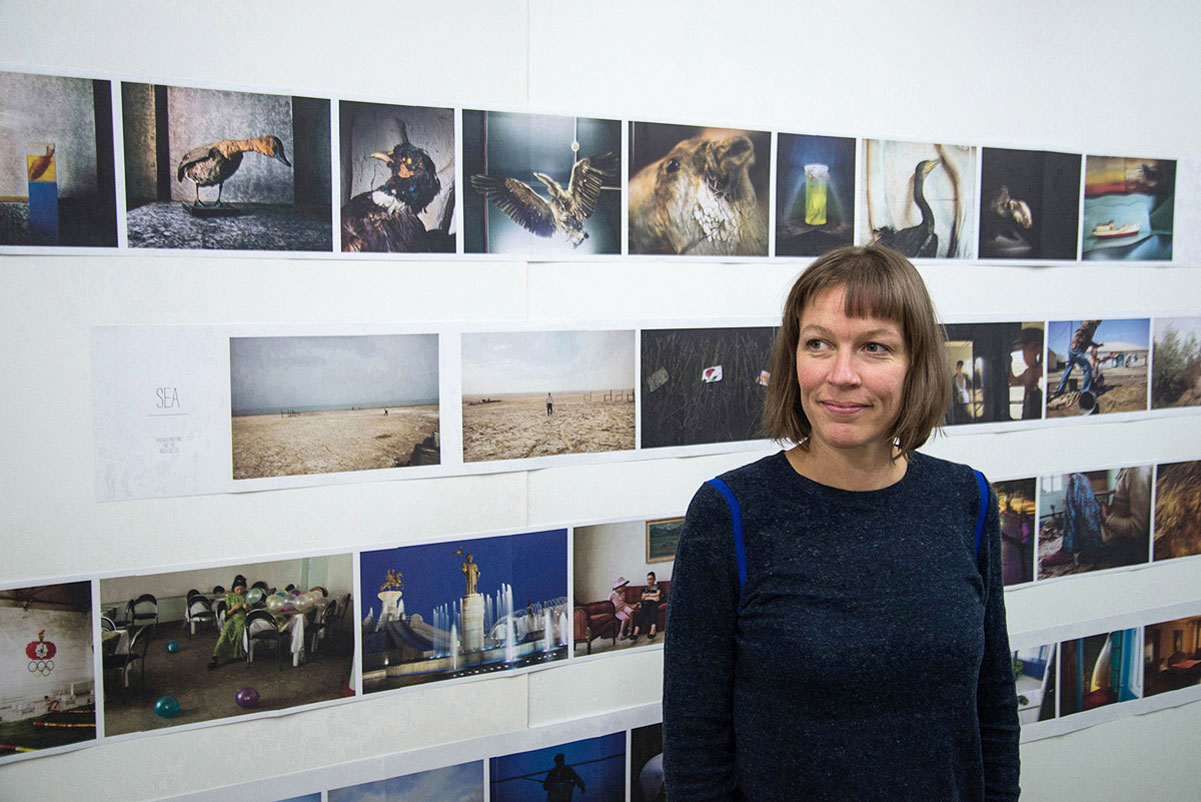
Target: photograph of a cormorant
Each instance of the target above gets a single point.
(919, 198)
(1129, 208)
(541, 185)
(463, 608)
(1096, 367)
(1029, 204)
(589, 770)
(306, 405)
(698, 191)
(48, 685)
(461, 783)
(703, 385)
(57, 183)
(996, 372)
(815, 193)
(398, 178)
(216, 169)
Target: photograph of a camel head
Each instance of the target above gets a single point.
(398, 178)
(545, 393)
(815, 194)
(217, 169)
(56, 161)
(919, 198)
(1129, 208)
(1176, 372)
(703, 385)
(1097, 366)
(1029, 204)
(541, 185)
(698, 191)
(1177, 510)
(309, 405)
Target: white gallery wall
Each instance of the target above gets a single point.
(1091, 77)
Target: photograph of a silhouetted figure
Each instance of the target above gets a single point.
(1029, 204)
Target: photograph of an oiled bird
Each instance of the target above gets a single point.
(919, 198)
(398, 178)
(217, 169)
(541, 185)
(57, 183)
(698, 191)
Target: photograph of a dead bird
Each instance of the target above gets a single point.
(919, 198)
(398, 178)
(541, 185)
(56, 161)
(698, 191)
(1029, 204)
(216, 169)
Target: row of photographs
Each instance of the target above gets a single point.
(197, 645)
(316, 406)
(535, 186)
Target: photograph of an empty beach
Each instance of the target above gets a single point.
(306, 405)
(543, 393)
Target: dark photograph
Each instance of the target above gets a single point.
(398, 178)
(208, 168)
(815, 194)
(996, 372)
(703, 385)
(1099, 670)
(1172, 655)
(1019, 515)
(1093, 520)
(698, 191)
(1029, 204)
(541, 185)
(595, 767)
(1034, 677)
(56, 161)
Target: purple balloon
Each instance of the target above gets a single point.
(247, 697)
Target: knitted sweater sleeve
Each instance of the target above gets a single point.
(996, 698)
(698, 662)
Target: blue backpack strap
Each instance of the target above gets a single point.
(736, 519)
(981, 510)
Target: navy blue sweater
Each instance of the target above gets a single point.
(869, 660)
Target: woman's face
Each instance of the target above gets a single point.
(650, 580)
(851, 373)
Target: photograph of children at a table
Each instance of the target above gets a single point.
(1094, 520)
(47, 696)
(1099, 670)
(1097, 366)
(203, 644)
(612, 612)
(1172, 655)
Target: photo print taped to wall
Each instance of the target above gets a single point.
(463, 608)
(919, 198)
(1129, 208)
(1093, 520)
(397, 191)
(1097, 367)
(698, 191)
(1176, 369)
(996, 372)
(215, 169)
(541, 185)
(1029, 204)
(311, 405)
(815, 194)
(545, 393)
(56, 162)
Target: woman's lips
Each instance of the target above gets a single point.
(842, 407)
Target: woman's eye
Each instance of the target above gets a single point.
(876, 348)
(814, 345)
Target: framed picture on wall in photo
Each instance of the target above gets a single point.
(697, 190)
(218, 169)
(47, 681)
(56, 161)
(1129, 209)
(541, 185)
(397, 191)
(661, 539)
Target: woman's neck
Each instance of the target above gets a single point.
(858, 470)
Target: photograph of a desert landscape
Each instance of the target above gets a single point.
(306, 405)
(544, 393)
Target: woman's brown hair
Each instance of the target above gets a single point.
(879, 283)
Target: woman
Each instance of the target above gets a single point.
(229, 642)
(863, 655)
(646, 617)
(622, 609)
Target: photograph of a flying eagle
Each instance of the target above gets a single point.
(566, 210)
(216, 162)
